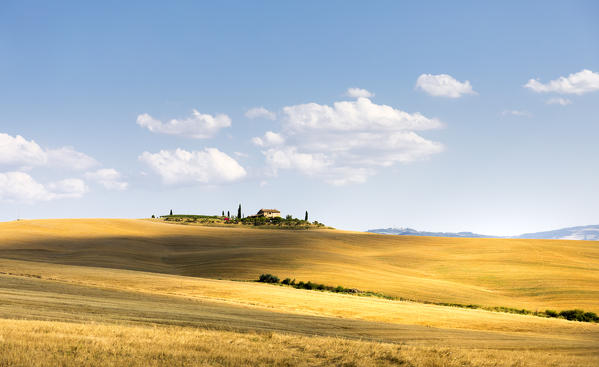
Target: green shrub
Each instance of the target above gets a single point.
(268, 278)
(579, 315)
(551, 313)
(286, 281)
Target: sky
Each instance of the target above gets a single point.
(439, 116)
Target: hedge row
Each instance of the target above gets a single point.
(572, 315)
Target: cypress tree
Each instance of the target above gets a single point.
(223, 213)
(306, 216)
(239, 212)
(228, 214)
(171, 212)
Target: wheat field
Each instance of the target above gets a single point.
(531, 274)
(138, 292)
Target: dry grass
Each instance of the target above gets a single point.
(281, 299)
(531, 274)
(141, 309)
(39, 343)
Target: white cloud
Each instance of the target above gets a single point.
(21, 187)
(361, 114)
(68, 188)
(69, 158)
(443, 85)
(258, 112)
(579, 83)
(269, 139)
(347, 142)
(18, 151)
(358, 93)
(516, 113)
(290, 158)
(109, 178)
(198, 125)
(560, 101)
(209, 166)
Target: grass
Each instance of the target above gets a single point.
(523, 274)
(127, 292)
(572, 315)
(141, 318)
(43, 343)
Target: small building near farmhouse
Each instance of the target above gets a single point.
(268, 213)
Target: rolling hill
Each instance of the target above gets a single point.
(142, 292)
(521, 273)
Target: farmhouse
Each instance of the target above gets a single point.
(268, 213)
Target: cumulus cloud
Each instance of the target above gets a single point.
(198, 125)
(209, 166)
(260, 112)
(358, 93)
(348, 141)
(584, 81)
(21, 187)
(443, 85)
(560, 101)
(290, 158)
(68, 188)
(69, 158)
(358, 115)
(18, 151)
(109, 178)
(269, 139)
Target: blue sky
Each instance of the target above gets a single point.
(433, 115)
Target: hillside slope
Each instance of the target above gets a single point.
(52, 314)
(531, 274)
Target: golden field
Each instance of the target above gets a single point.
(140, 292)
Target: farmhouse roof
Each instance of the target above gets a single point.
(269, 211)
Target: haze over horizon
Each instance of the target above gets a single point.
(454, 117)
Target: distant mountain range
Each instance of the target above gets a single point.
(589, 233)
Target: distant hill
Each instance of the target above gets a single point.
(413, 232)
(588, 233)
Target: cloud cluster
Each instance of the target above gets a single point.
(584, 81)
(21, 154)
(209, 166)
(269, 139)
(359, 93)
(260, 112)
(348, 141)
(21, 187)
(443, 85)
(109, 178)
(18, 151)
(198, 125)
